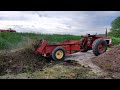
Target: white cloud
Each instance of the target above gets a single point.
(60, 22)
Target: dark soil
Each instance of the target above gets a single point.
(25, 60)
(109, 61)
(22, 60)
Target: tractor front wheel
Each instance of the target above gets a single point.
(58, 53)
(99, 46)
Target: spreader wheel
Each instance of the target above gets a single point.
(99, 46)
(58, 53)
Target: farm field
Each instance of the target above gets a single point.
(17, 60)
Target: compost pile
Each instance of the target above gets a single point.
(110, 60)
(21, 60)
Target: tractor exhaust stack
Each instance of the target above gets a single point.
(106, 32)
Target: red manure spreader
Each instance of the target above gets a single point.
(98, 44)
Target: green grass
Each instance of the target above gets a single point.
(115, 40)
(13, 40)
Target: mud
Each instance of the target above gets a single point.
(85, 59)
(24, 60)
(20, 60)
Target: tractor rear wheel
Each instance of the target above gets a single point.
(99, 46)
(58, 53)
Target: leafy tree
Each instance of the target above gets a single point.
(116, 24)
(115, 29)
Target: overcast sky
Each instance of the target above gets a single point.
(58, 22)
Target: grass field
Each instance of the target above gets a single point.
(15, 40)
(58, 71)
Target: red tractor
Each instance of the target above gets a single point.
(96, 43)
(57, 51)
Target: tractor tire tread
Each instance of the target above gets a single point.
(95, 45)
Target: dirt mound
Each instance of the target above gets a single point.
(21, 60)
(109, 61)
